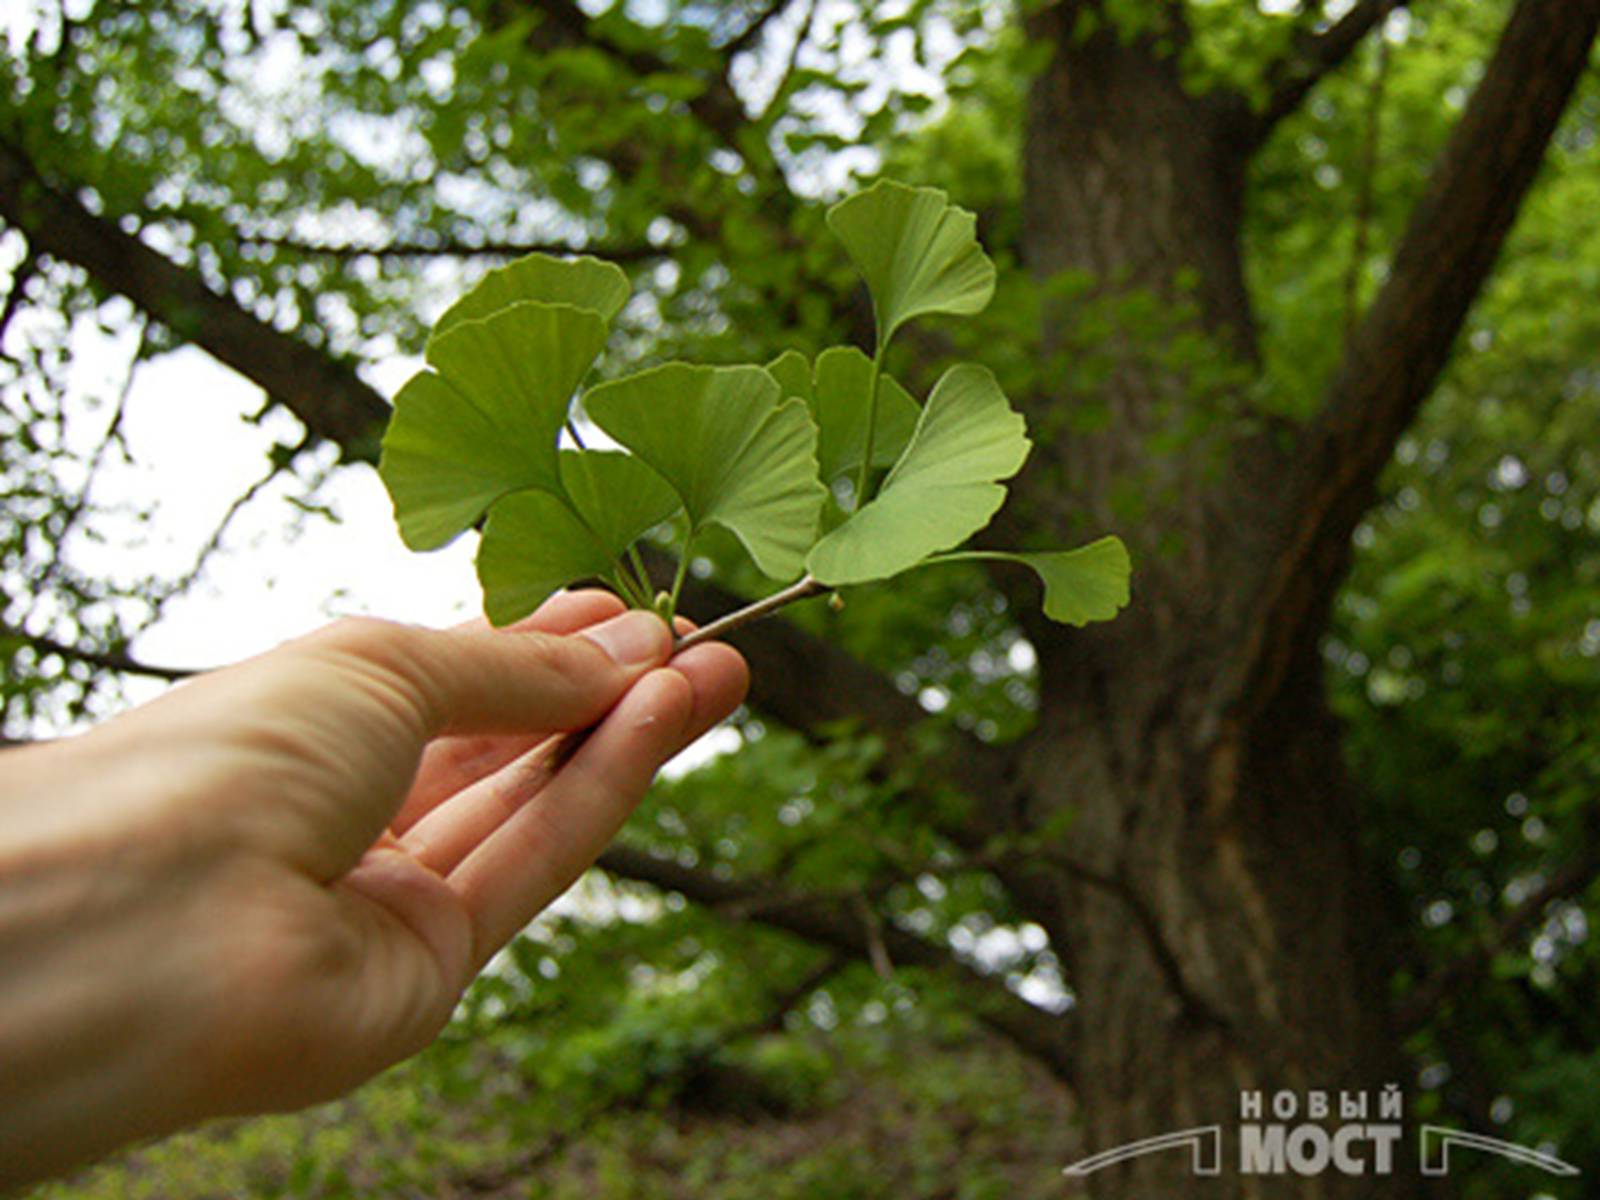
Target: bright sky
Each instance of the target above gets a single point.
(192, 456)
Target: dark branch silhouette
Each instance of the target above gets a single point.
(1314, 56)
(836, 923)
(107, 660)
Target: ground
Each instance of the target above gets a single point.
(882, 1116)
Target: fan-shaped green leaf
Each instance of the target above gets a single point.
(618, 496)
(586, 283)
(1080, 586)
(535, 542)
(792, 370)
(735, 455)
(839, 399)
(918, 253)
(485, 421)
(943, 489)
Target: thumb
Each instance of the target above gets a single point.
(501, 681)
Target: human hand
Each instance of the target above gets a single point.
(276, 880)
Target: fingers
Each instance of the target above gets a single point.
(517, 840)
(443, 837)
(537, 852)
(479, 681)
(720, 678)
(563, 613)
(451, 763)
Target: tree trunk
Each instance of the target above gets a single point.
(1216, 916)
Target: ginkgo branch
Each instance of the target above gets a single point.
(722, 626)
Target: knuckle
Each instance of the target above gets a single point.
(362, 637)
(387, 659)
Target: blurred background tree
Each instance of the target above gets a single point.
(1297, 298)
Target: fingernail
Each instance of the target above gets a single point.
(633, 639)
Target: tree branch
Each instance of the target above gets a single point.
(810, 684)
(835, 924)
(324, 393)
(1572, 880)
(106, 660)
(454, 248)
(1401, 346)
(718, 107)
(1313, 57)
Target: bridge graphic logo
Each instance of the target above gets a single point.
(1345, 1132)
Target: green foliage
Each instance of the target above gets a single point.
(943, 488)
(587, 283)
(736, 452)
(838, 395)
(878, 1108)
(1462, 662)
(748, 449)
(1080, 586)
(485, 422)
(918, 253)
(537, 541)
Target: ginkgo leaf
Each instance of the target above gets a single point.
(535, 541)
(587, 283)
(484, 422)
(792, 370)
(737, 455)
(618, 496)
(533, 544)
(918, 253)
(838, 396)
(1080, 586)
(944, 487)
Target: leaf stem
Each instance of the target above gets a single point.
(577, 438)
(628, 589)
(722, 626)
(641, 574)
(864, 475)
(683, 569)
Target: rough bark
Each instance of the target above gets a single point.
(1246, 944)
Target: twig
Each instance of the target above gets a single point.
(109, 660)
(451, 248)
(1457, 973)
(748, 36)
(722, 626)
(872, 926)
(113, 435)
(802, 34)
